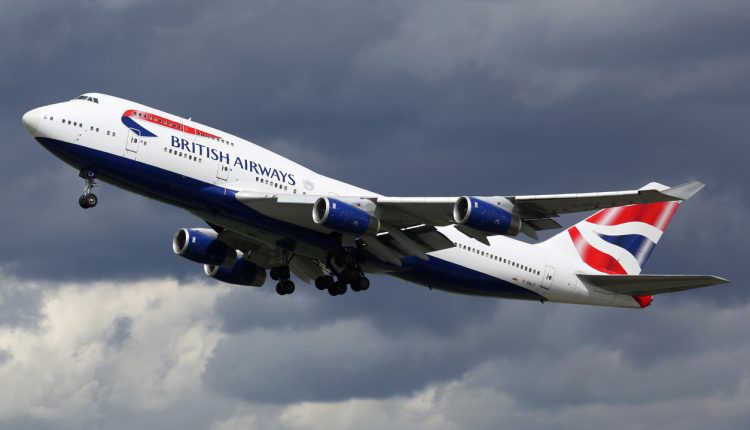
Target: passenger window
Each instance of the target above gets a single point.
(107, 132)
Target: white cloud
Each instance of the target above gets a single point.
(64, 368)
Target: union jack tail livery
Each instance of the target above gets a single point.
(619, 240)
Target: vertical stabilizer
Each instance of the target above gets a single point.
(617, 240)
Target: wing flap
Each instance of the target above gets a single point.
(649, 285)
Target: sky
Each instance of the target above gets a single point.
(102, 327)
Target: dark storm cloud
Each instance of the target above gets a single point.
(417, 98)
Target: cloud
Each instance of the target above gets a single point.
(118, 355)
(139, 345)
(418, 98)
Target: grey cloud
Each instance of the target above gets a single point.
(418, 98)
(121, 328)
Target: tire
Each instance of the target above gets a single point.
(341, 289)
(91, 200)
(324, 282)
(274, 273)
(82, 202)
(288, 287)
(332, 291)
(363, 284)
(280, 289)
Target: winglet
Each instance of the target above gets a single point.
(684, 191)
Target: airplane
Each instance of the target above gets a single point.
(267, 215)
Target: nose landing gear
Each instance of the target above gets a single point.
(88, 199)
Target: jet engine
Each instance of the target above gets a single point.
(346, 217)
(242, 272)
(202, 246)
(494, 216)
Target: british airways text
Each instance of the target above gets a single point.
(223, 157)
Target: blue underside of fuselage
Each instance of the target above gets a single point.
(195, 195)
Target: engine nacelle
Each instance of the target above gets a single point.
(242, 272)
(345, 217)
(491, 217)
(202, 246)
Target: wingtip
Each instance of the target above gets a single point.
(720, 280)
(684, 191)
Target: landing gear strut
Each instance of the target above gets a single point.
(88, 199)
(281, 273)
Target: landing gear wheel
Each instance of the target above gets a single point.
(91, 200)
(88, 199)
(337, 289)
(324, 282)
(285, 287)
(363, 283)
(274, 273)
(341, 289)
(288, 286)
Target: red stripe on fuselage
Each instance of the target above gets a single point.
(593, 257)
(655, 214)
(159, 120)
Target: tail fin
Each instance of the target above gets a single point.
(618, 240)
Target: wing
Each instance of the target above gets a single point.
(407, 224)
(649, 285)
(536, 210)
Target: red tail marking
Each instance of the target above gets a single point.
(593, 257)
(655, 214)
(644, 301)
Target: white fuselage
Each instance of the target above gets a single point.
(194, 153)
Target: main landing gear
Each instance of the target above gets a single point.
(350, 275)
(285, 285)
(88, 199)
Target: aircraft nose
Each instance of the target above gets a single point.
(31, 121)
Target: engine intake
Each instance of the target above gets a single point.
(202, 246)
(491, 217)
(345, 217)
(242, 272)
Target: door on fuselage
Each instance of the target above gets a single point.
(132, 143)
(222, 174)
(549, 275)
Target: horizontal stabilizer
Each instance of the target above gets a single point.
(649, 285)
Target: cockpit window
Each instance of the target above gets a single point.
(88, 98)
